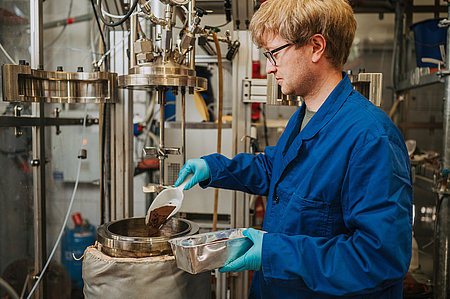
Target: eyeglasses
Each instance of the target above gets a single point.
(269, 54)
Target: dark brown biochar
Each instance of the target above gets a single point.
(157, 218)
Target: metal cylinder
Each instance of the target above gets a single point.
(129, 264)
(441, 262)
(162, 103)
(276, 97)
(183, 123)
(129, 237)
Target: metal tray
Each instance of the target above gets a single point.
(203, 252)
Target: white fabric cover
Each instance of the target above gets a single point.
(152, 277)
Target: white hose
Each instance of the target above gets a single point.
(8, 288)
(67, 213)
(118, 45)
(7, 55)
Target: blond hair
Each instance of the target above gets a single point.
(297, 21)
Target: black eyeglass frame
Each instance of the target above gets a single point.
(269, 54)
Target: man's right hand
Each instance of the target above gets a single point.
(198, 167)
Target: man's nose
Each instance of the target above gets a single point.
(270, 68)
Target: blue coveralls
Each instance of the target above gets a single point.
(339, 211)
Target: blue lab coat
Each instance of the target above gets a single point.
(339, 210)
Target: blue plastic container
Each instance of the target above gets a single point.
(428, 38)
(76, 241)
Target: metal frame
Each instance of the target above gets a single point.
(441, 258)
(241, 124)
(38, 137)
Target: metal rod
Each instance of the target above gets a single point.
(37, 59)
(441, 266)
(43, 211)
(161, 101)
(446, 112)
(134, 37)
(191, 14)
(183, 123)
(68, 21)
(26, 121)
(441, 261)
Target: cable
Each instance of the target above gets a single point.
(111, 15)
(8, 288)
(98, 24)
(64, 28)
(120, 22)
(7, 55)
(100, 61)
(67, 213)
(224, 24)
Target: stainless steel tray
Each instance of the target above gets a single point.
(208, 251)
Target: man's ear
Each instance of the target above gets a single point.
(319, 45)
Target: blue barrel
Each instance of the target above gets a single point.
(75, 241)
(428, 38)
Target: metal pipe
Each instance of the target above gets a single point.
(161, 101)
(183, 122)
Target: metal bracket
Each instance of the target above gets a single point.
(254, 90)
(57, 111)
(152, 188)
(17, 111)
(161, 152)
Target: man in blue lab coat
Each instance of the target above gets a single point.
(339, 214)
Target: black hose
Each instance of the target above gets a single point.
(121, 21)
(98, 24)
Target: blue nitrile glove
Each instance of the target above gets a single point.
(252, 259)
(198, 167)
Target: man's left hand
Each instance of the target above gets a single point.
(252, 259)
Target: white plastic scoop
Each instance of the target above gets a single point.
(170, 196)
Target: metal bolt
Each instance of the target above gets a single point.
(17, 110)
(57, 111)
(35, 162)
(18, 131)
(59, 68)
(80, 69)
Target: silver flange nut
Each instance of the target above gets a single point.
(143, 45)
(145, 57)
